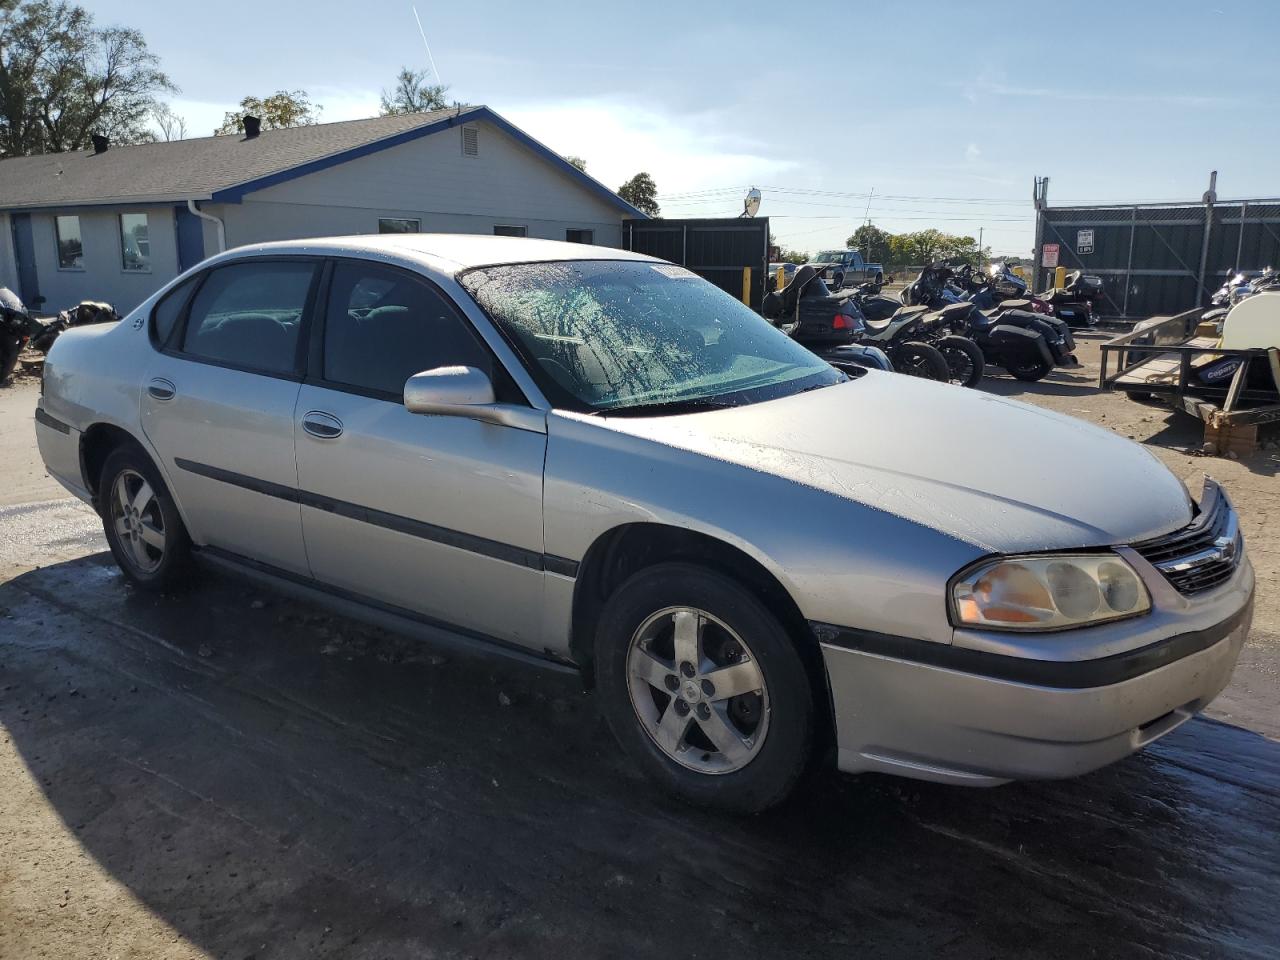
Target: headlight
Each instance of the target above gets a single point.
(1048, 593)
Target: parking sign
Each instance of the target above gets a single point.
(1084, 241)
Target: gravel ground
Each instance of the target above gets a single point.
(226, 773)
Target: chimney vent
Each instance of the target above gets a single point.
(252, 126)
(100, 143)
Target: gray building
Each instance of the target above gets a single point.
(114, 224)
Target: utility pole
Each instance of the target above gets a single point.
(980, 246)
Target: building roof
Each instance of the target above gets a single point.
(224, 169)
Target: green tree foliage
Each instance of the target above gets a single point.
(285, 108)
(642, 193)
(872, 241)
(787, 255)
(62, 79)
(577, 162)
(412, 94)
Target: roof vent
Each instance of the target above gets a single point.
(252, 126)
(471, 141)
(100, 143)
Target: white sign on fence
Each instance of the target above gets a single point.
(1049, 255)
(1084, 241)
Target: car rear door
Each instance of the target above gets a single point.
(218, 404)
(436, 516)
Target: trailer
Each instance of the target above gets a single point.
(1179, 361)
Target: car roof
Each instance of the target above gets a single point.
(462, 250)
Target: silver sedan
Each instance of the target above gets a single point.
(595, 460)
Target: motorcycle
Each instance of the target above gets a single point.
(1073, 302)
(14, 331)
(965, 362)
(1026, 344)
(835, 329)
(82, 314)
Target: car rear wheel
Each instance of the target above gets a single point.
(143, 529)
(704, 689)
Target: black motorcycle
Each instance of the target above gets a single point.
(965, 362)
(14, 326)
(1073, 302)
(1026, 344)
(82, 314)
(832, 326)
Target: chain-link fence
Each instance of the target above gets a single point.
(1160, 259)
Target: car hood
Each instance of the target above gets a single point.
(1001, 475)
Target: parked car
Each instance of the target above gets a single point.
(788, 271)
(842, 268)
(590, 458)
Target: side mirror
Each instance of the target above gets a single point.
(466, 392)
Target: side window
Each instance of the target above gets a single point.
(383, 326)
(165, 314)
(249, 314)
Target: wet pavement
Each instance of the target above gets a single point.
(267, 781)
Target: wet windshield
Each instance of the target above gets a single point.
(622, 336)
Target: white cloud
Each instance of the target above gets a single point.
(972, 152)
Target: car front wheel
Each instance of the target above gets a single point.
(704, 688)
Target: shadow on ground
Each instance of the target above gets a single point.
(277, 783)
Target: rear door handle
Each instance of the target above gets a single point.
(162, 389)
(324, 426)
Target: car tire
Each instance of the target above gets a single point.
(921, 360)
(837, 283)
(146, 534)
(1031, 372)
(741, 753)
(965, 362)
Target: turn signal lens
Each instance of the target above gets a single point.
(1049, 593)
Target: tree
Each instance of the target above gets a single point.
(642, 193)
(285, 108)
(577, 162)
(412, 94)
(785, 254)
(872, 241)
(63, 79)
(170, 125)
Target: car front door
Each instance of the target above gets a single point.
(218, 404)
(436, 516)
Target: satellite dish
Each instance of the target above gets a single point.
(752, 203)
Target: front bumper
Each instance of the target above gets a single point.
(932, 712)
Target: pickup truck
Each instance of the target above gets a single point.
(846, 268)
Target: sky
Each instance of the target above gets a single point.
(939, 113)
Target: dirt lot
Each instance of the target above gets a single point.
(229, 774)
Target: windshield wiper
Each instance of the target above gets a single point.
(670, 407)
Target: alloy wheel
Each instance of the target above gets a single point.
(138, 520)
(697, 690)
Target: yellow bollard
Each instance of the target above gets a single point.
(780, 280)
(746, 285)
(1059, 277)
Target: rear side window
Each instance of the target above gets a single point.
(384, 325)
(166, 313)
(249, 315)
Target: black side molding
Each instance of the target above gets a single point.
(1059, 674)
(53, 423)
(508, 553)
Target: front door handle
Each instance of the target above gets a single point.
(324, 426)
(162, 389)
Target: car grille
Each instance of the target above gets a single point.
(1205, 553)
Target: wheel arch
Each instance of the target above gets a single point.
(624, 550)
(98, 441)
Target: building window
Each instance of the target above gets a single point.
(135, 243)
(580, 236)
(398, 225)
(507, 230)
(471, 141)
(70, 249)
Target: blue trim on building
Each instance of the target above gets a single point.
(237, 193)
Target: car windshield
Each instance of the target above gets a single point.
(619, 336)
(828, 256)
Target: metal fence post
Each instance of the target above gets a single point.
(1209, 196)
(1128, 269)
(1244, 212)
